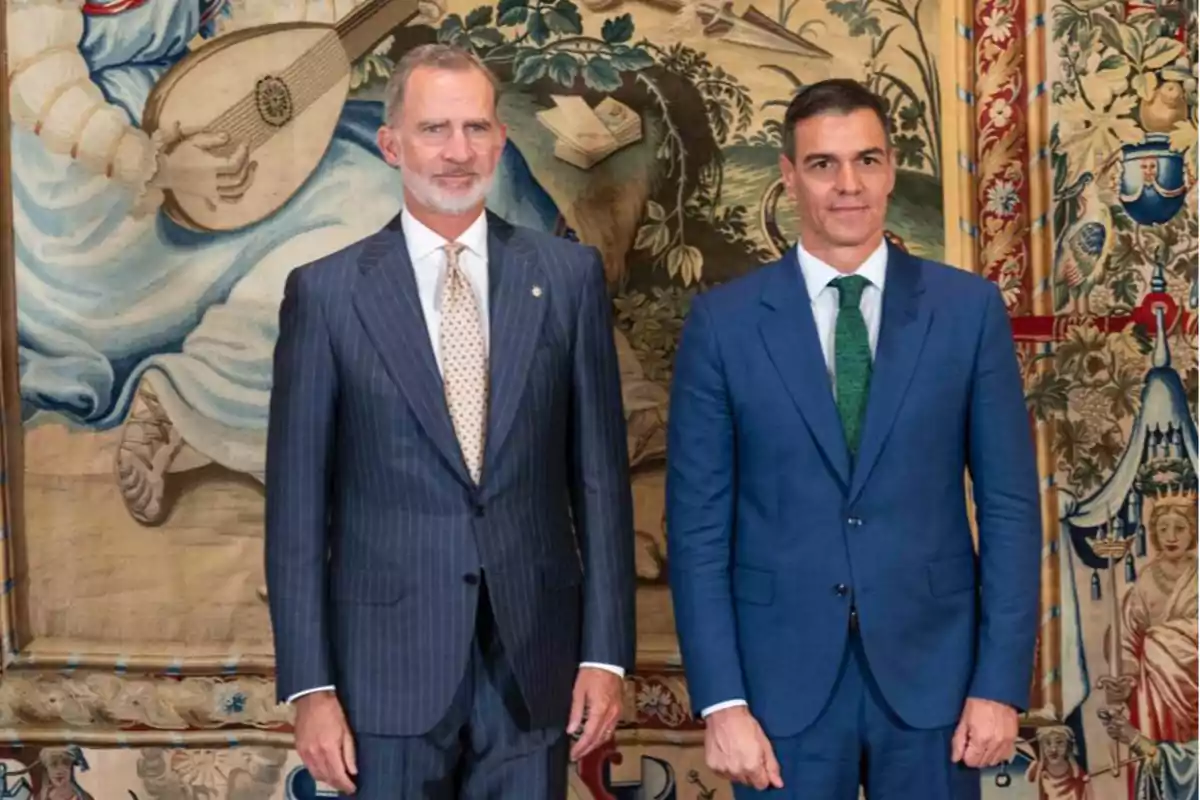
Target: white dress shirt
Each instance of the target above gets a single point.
(429, 267)
(817, 277)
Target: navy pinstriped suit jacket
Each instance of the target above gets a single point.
(375, 533)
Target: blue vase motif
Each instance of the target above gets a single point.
(1153, 180)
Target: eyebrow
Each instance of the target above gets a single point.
(477, 121)
(871, 151)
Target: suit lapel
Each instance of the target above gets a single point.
(389, 306)
(790, 334)
(903, 325)
(518, 294)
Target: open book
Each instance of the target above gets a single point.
(583, 135)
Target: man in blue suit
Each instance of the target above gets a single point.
(837, 627)
(449, 536)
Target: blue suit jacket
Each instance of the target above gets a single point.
(375, 533)
(774, 531)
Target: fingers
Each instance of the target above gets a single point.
(578, 703)
(746, 758)
(602, 719)
(232, 192)
(987, 749)
(328, 752)
(235, 166)
(348, 755)
(958, 745)
(207, 140)
(327, 766)
(338, 778)
(236, 175)
(973, 757)
(774, 773)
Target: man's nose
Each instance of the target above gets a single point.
(848, 181)
(458, 148)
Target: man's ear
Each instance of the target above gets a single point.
(385, 137)
(787, 172)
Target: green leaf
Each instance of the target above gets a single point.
(1067, 436)
(1067, 22)
(1114, 61)
(1110, 30)
(560, 23)
(514, 16)
(866, 25)
(485, 38)
(686, 262)
(450, 26)
(632, 60)
(570, 13)
(563, 68)
(1085, 474)
(1131, 42)
(911, 115)
(505, 7)
(479, 17)
(1048, 394)
(655, 211)
(1122, 393)
(530, 68)
(601, 76)
(910, 150)
(648, 235)
(1125, 288)
(1121, 220)
(537, 27)
(1161, 52)
(618, 29)
(846, 10)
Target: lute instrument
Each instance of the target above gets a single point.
(279, 88)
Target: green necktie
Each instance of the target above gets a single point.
(852, 357)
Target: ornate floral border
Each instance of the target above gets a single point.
(93, 707)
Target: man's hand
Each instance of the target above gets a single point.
(323, 740)
(597, 698)
(1117, 690)
(986, 734)
(736, 749)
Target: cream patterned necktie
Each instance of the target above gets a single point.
(464, 361)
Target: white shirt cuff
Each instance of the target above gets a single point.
(719, 706)
(617, 670)
(294, 697)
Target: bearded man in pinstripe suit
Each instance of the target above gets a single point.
(449, 536)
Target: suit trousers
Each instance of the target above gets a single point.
(858, 741)
(482, 748)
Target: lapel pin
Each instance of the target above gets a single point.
(536, 290)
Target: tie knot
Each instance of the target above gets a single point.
(453, 250)
(850, 289)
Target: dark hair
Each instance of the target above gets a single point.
(832, 96)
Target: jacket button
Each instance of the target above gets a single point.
(854, 521)
(470, 579)
(841, 589)
(477, 509)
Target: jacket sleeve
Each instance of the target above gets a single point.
(1004, 475)
(602, 499)
(300, 455)
(700, 506)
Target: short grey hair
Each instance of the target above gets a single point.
(436, 56)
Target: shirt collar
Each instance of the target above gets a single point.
(423, 242)
(817, 274)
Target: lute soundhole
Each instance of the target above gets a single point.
(274, 101)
